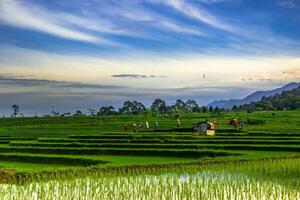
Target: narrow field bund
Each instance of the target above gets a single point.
(154, 141)
(175, 145)
(151, 149)
(182, 136)
(116, 151)
(68, 161)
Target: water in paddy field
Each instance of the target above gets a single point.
(204, 185)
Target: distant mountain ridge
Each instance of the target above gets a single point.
(256, 96)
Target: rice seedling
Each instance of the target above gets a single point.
(204, 185)
(235, 180)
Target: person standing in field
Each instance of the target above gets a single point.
(178, 122)
(125, 127)
(234, 122)
(147, 124)
(156, 124)
(242, 124)
(134, 127)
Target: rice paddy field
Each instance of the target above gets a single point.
(93, 158)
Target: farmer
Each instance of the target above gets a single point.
(147, 124)
(242, 124)
(134, 127)
(125, 127)
(156, 124)
(141, 125)
(178, 122)
(234, 122)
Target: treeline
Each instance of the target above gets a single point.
(287, 100)
(158, 107)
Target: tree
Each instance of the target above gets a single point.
(216, 109)
(133, 107)
(191, 106)
(178, 106)
(126, 108)
(204, 109)
(54, 113)
(67, 114)
(92, 112)
(137, 108)
(235, 108)
(106, 111)
(16, 110)
(211, 109)
(159, 105)
(78, 113)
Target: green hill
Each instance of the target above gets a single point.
(287, 100)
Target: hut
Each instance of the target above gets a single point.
(205, 128)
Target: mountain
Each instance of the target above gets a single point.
(256, 96)
(286, 100)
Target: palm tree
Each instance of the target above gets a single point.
(16, 110)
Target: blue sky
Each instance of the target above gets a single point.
(110, 51)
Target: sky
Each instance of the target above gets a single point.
(74, 54)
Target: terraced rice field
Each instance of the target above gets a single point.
(83, 155)
(177, 144)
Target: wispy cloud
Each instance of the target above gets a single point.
(19, 14)
(134, 12)
(23, 81)
(214, 1)
(199, 14)
(287, 3)
(136, 76)
(264, 79)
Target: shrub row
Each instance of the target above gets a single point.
(50, 160)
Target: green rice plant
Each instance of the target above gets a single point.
(255, 121)
(203, 185)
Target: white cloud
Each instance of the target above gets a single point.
(213, 1)
(136, 13)
(36, 18)
(199, 14)
(103, 26)
(287, 3)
